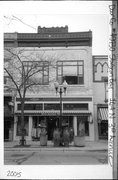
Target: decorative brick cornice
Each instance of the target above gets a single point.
(50, 39)
(34, 36)
(52, 29)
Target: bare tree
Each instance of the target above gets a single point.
(26, 70)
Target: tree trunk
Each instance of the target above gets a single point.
(22, 141)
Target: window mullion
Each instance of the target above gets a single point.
(62, 65)
(77, 72)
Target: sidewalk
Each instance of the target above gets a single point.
(101, 145)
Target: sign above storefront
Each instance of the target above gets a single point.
(57, 99)
(54, 113)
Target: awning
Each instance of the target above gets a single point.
(102, 113)
(54, 113)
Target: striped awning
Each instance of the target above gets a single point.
(54, 113)
(102, 113)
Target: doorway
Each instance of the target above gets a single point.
(103, 130)
(51, 125)
(102, 113)
(8, 130)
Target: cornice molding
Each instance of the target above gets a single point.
(49, 40)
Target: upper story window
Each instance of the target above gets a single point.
(100, 68)
(36, 72)
(71, 71)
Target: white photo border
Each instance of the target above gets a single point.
(47, 171)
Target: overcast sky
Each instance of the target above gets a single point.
(79, 16)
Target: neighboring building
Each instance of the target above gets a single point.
(8, 110)
(100, 94)
(71, 53)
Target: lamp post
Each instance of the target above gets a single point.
(60, 89)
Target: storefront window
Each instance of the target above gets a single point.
(36, 121)
(68, 120)
(82, 123)
(26, 122)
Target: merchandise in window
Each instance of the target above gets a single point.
(82, 123)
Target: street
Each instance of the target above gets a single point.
(55, 157)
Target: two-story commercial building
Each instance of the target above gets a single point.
(62, 56)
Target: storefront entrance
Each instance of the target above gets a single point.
(103, 121)
(8, 130)
(52, 122)
(103, 130)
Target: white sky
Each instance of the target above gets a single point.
(79, 16)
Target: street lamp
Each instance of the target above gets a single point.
(60, 89)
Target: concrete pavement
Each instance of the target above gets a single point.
(55, 157)
(101, 145)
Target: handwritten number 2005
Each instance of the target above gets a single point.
(13, 173)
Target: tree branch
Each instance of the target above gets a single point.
(11, 77)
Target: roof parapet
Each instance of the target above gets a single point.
(12, 36)
(52, 29)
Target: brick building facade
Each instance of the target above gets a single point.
(70, 54)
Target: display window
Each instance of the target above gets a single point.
(26, 126)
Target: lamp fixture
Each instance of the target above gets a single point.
(60, 88)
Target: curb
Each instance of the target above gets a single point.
(54, 149)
